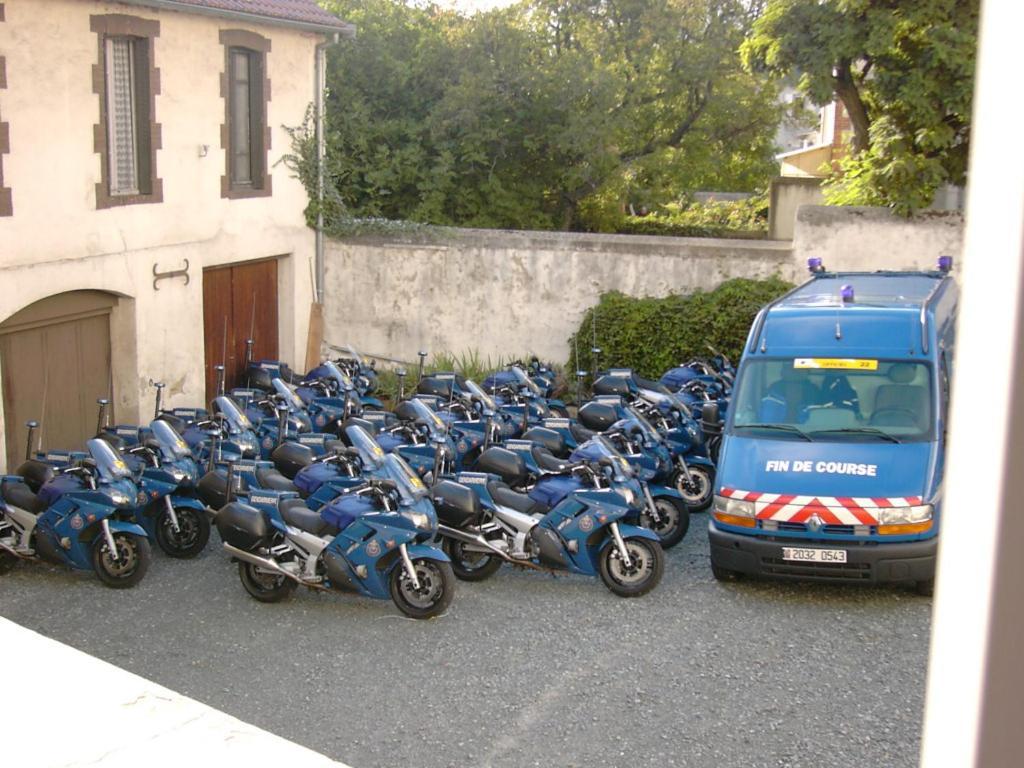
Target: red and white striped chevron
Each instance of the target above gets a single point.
(832, 510)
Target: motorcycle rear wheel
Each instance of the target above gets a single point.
(470, 566)
(265, 587)
(700, 491)
(437, 588)
(675, 521)
(133, 558)
(192, 536)
(648, 564)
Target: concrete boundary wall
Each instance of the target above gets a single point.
(509, 293)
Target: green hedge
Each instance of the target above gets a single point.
(653, 335)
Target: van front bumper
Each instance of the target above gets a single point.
(869, 562)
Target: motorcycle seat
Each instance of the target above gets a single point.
(298, 515)
(273, 480)
(20, 495)
(581, 433)
(520, 502)
(546, 460)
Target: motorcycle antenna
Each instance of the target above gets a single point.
(101, 418)
(159, 396)
(32, 427)
(400, 373)
(249, 342)
(423, 358)
(220, 378)
(595, 351)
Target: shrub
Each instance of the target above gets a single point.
(653, 335)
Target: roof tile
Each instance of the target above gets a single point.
(290, 10)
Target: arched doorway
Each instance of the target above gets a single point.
(54, 364)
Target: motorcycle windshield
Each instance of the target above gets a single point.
(237, 421)
(171, 444)
(431, 419)
(111, 466)
(623, 471)
(668, 400)
(354, 354)
(650, 433)
(523, 380)
(486, 400)
(336, 373)
(409, 484)
(370, 452)
(289, 396)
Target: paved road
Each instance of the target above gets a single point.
(524, 670)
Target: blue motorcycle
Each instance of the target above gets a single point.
(167, 507)
(80, 518)
(373, 540)
(572, 520)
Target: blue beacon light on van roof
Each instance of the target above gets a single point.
(815, 265)
(846, 293)
(945, 263)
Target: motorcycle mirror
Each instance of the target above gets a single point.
(32, 427)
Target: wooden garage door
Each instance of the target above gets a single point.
(55, 363)
(239, 302)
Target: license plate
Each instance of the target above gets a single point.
(814, 555)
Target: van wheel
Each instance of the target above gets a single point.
(723, 574)
(925, 588)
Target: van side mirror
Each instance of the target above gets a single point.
(709, 418)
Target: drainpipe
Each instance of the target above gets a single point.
(319, 86)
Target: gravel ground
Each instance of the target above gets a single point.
(525, 669)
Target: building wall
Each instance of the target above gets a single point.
(508, 294)
(56, 240)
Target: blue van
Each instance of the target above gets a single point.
(832, 457)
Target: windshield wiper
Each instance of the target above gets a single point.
(779, 427)
(859, 431)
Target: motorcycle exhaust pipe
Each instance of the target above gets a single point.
(261, 562)
(471, 538)
(32, 427)
(16, 553)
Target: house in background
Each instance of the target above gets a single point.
(147, 227)
(821, 148)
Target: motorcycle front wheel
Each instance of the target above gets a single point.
(263, 585)
(435, 593)
(133, 558)
(470, 566)
(674, 521)
(190, 538)
(699, 491)
(647, 563)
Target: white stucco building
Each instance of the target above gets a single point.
(137, 138)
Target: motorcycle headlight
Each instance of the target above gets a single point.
(627, 492)
(120, 498)
(419, 519)
(734, 507)
(178, 474)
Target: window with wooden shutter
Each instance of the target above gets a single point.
(245, 136)
(122, 116)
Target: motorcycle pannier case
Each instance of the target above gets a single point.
(242, 526)
(456, 504)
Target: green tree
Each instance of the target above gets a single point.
(547, 114)
(904, 71)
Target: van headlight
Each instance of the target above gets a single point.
(905, 515)
(735, 507)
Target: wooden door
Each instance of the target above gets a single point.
(239, 302)
(55, 363)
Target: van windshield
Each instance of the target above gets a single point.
(860, 400)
